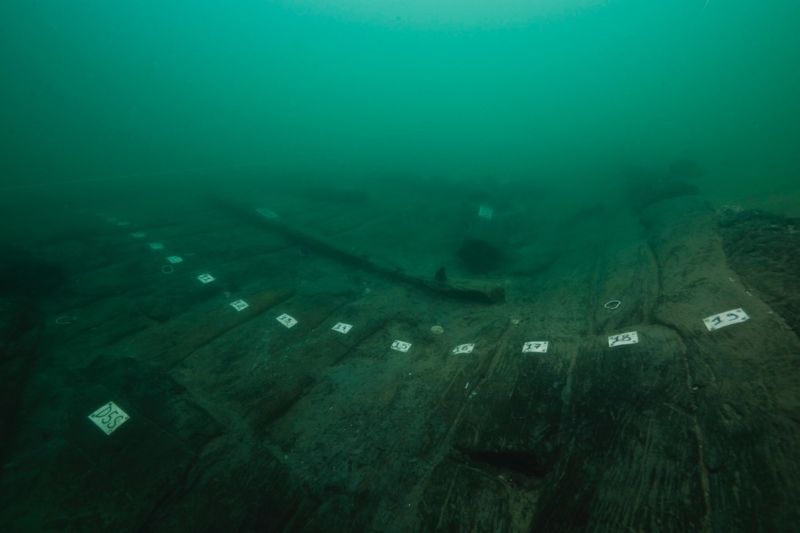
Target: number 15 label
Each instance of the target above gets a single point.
(734, 316)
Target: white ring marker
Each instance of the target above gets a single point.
(167, 269)
(612, 304)
(66, 320)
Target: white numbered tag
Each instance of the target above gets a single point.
(342, 328)
(156, 246)
(137, 235)
(175, 259)
(267, 213)
(631, 337)
(463, 348)
(734, 316)
(287, 320)
(535, 347)
(206, 278)
(240, 305)
(109, 417)
(485, 212)
(401, 346)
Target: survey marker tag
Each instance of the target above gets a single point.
(287, 320)
(109, 417)
(463, 348)
(267, 213)
(175, 259)
(342, 328)
(535, 347)
(155, 246)
(630, 337)
(401, 346)
(206, 278)
(240, 305)
(727, 318)
(486, 212)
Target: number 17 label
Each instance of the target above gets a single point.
(727, 318)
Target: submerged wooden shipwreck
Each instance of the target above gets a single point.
(236, 422)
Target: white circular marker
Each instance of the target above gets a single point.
(612, 304)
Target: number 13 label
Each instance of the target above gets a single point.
(734, 316)
(109, 417)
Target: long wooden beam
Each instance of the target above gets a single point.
(462, 290)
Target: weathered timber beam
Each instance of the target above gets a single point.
(461, 290)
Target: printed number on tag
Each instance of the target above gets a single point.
(535, 347)
(630, 337)
(401, 346)
(342, 328)
(175, 259)
(287, 320)
(240, 305)
(109, 417)
(206, 278)
(464, 348)
(728, 318)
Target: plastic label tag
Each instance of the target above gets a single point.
(240, 305)
(485, 212)
(206, 278)
(156, 246)
(728, 318)
(535, 347)
(401, 346)
(137, 235)
(267, 213)
(463, 348)
(287, 320)
(631, 337)
(175, 259)
(109, 417)
(342, 328)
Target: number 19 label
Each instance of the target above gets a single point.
(734, 316)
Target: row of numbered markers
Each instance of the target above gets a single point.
(110, 416)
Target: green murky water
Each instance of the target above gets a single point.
(546, 91)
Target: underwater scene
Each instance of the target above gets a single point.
(400, 266)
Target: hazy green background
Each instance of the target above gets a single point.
(550, 90)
